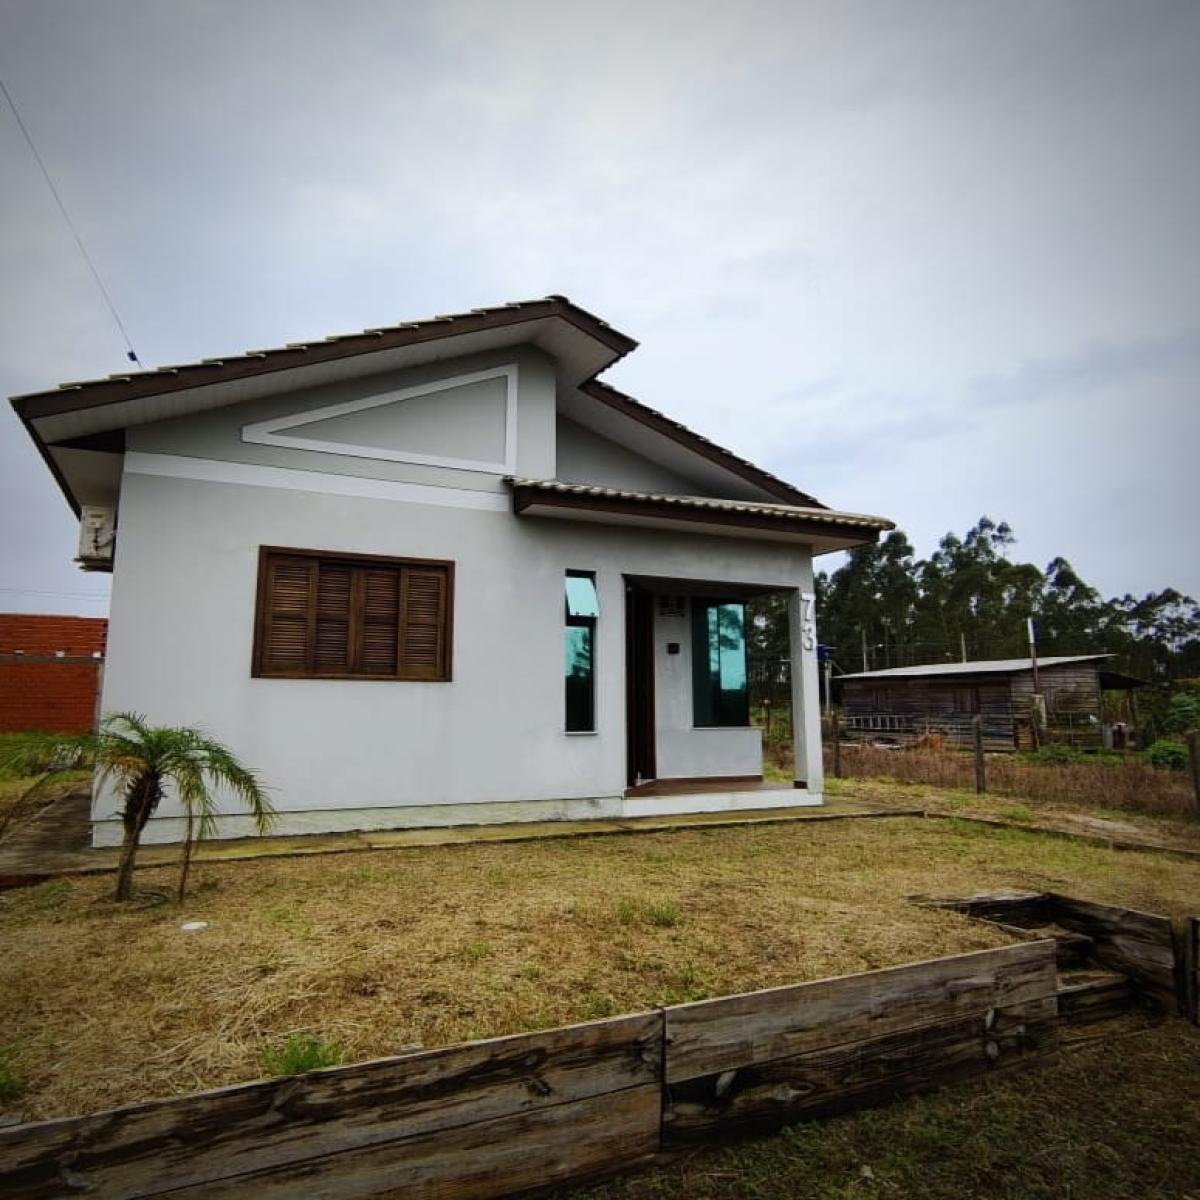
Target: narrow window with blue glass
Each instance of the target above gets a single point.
(720, 695)
(582, 611)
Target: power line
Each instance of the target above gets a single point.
(60, 595)
(130, 353)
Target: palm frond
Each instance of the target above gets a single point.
(142, 760)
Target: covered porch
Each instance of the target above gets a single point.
(691, 743)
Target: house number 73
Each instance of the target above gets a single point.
(808, 623)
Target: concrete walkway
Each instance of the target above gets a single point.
(58, 843)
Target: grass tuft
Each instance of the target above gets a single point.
(1017, 812)
(595, 1005)
(665, 915)
(11, 1084)
(300, 1053)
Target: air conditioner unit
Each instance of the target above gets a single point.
(97, 532)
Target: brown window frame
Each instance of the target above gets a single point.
(352, 560)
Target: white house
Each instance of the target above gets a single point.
(438, 573)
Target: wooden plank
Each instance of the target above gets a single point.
(712, 1036)
(1013, 907)
(128, 1152)
(1073, 949)
(495, 1158)
(1138, 944)
(859, 1075)
(1098, 999)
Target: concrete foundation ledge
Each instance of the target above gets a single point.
(167, 829)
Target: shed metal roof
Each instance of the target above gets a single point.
(986, 666)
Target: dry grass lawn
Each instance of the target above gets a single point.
(1129, 786)
(377, 951)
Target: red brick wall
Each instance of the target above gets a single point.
(49, 674)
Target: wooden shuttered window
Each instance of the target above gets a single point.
(324, 615)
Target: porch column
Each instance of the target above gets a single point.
(806, 700)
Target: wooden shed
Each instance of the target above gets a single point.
(905, 703)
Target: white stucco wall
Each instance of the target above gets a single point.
(584, 456)
(181, 631)
(685, 750)
(198, 501)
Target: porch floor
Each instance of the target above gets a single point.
(60, 846)
(695, 787)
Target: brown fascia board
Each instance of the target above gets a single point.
(95, 393)
(697, 443)
(525, 497)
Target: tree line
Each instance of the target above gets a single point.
(971, 598)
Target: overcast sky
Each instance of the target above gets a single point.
(929, 260)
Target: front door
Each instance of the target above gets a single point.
(639, 684)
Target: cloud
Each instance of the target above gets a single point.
(1095, 367)
(912, 256)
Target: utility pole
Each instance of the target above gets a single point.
(962, 641)
(1035, 711)
(1193, 744)
(1033, 652)
(866, 665)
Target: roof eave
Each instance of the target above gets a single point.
(71, 397)
(825, 536)
(44, 450)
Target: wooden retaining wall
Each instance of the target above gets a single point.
(508, 1115)
(482, 1119)
(764, 1059)
(504, 1116)
(1137, 944)
(1150, 962)
(1191, 968)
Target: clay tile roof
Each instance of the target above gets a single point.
(128, 385)
(69, 397)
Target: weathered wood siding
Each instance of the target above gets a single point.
(910, 708)
(479, 1120)
(768, 1058)
(1073, 699)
